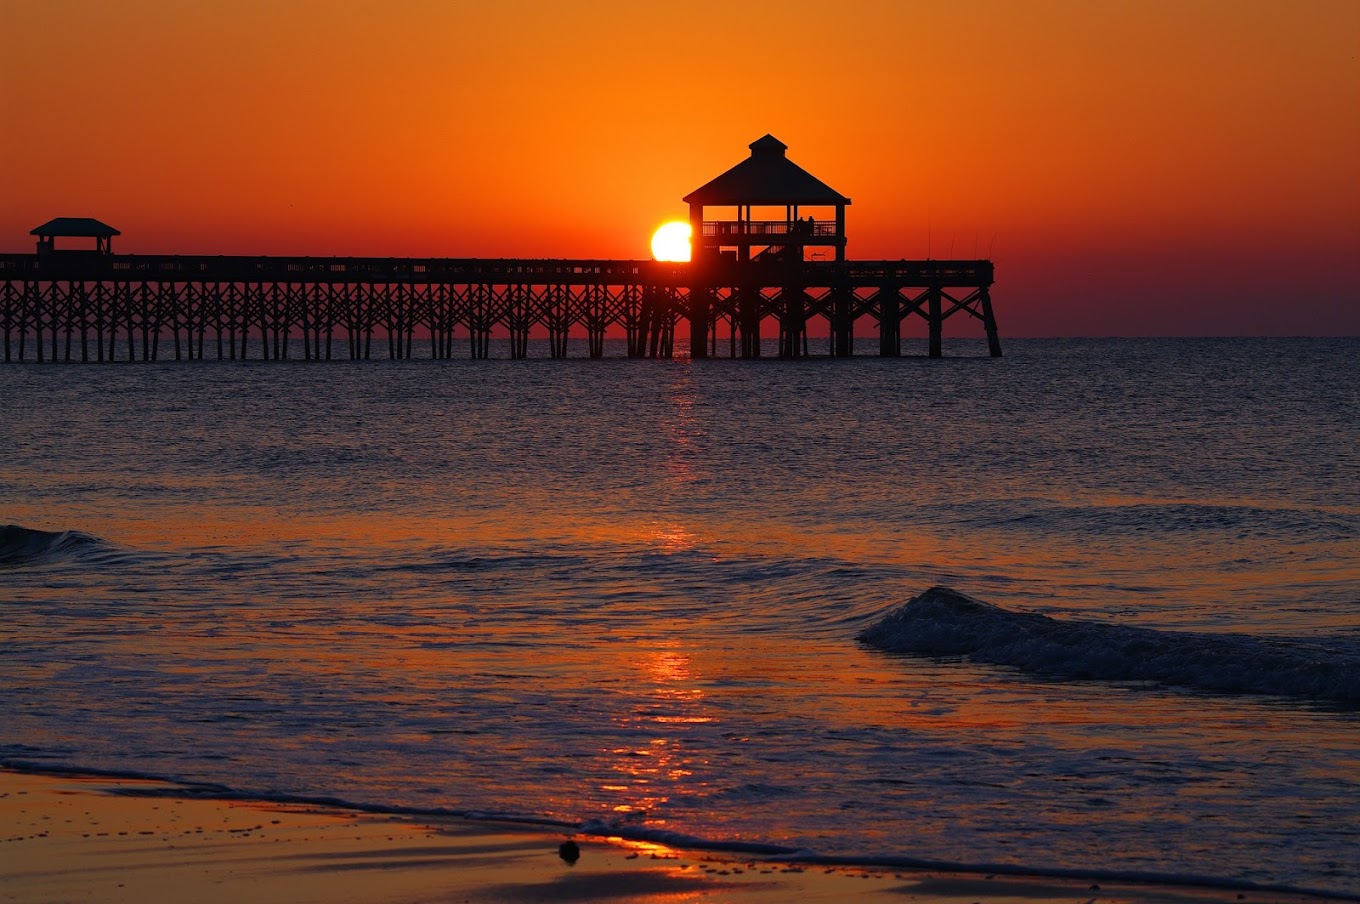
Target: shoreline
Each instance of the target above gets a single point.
(94, 836)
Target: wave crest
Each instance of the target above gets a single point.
(944, 622)
(23, 546)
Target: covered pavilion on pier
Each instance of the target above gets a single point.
(75, 227)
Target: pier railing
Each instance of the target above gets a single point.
(90, 266)
(221, 268)
(720, 228)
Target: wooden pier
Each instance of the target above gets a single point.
(87, 307)
(94, 305)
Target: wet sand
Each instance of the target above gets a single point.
(93, 838)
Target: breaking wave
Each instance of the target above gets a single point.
(943, 622)
(21, 546)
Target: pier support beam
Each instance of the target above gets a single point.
(889, 322)
(935, 317)
(792, 322)
(748, 312)
(842, 322)
(989, 323)
(700, 307)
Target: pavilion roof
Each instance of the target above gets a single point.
(767, 177)
(75, 227)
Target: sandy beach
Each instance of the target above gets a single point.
(95, 838)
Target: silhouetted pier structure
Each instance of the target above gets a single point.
(93, 305)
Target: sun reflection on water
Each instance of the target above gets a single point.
(673, 538)
(645, 776)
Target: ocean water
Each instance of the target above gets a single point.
(665, 599)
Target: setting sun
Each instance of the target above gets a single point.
(671, 241)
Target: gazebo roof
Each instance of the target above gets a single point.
(75, 227)
(766, 177)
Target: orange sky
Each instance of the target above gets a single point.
(1135, 168)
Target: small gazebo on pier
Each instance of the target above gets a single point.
(75, 227)
(767, 179)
